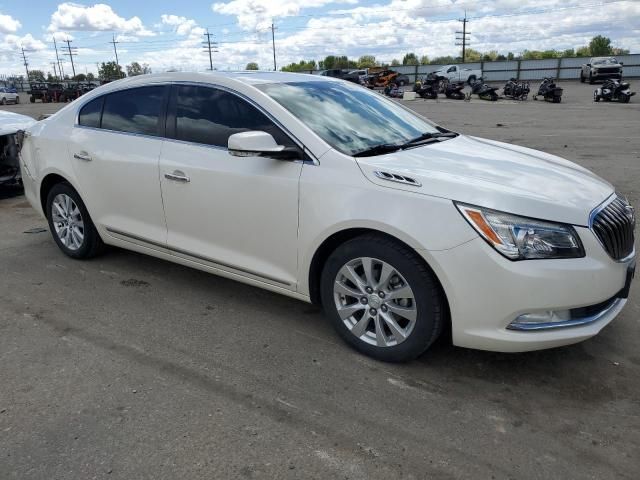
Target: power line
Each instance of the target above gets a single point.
(55, 45)
(115, 50)
(73, 51)
(273, 40)
(26, 64)
(210, 47)
(463, 35)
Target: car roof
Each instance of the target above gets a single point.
(246, 77)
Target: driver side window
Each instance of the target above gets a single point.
(451, 69)
(210, 116)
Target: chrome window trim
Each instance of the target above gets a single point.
(615, 306)
(314, 159)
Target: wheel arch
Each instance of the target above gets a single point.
(336, 239)
(47, 183)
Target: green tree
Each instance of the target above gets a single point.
(471, 55)
(134, 68)
(583, 52)
(410, 59)
(600, 46)
(36, 76)
(81, 77)
(619, 51)
(569, 52)
(252, 66)
(424, 60)
(90, 77)
(301, 66)
(395, 62)
(366, 61)
(110, 71)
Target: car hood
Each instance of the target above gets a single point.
(495, 175)
(12, 122)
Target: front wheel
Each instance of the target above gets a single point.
(591, 80)
(70, 223)
(382, 299)
(3, 101)
(17, 100)
(471, 79)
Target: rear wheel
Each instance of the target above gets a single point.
(581, 77)
(382, 299)
(3, 101)
(70, 223)
(32, 99)
(18, 99)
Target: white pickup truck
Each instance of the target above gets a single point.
(455, 73)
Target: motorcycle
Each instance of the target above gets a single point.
(484, 91)
(454, 90)
(516, 90)
(549, 91)
(613, 90)
(427, 87)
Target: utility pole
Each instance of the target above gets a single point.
(273, 41)
(55, 44)
(55, 72)
(115, 50)
(209, 47)
(26, 64)
(463, 35)
(72, 52)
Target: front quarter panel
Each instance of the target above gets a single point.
(335, 196)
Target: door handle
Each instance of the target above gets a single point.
(82, 156)
(177, 176)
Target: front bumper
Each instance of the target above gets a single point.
(606, 75)
(487, 292)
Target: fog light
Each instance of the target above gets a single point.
(532, 321)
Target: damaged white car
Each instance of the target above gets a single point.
(10, 124)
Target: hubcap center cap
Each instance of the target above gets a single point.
(374, 300)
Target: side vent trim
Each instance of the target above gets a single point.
(394, 177)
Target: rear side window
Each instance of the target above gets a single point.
(137, 110)
(210, 116)
(90, 114)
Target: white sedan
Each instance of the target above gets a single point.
(324, 191)
(8, 96)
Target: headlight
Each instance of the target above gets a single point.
(522, 238)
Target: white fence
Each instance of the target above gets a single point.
(560, 68)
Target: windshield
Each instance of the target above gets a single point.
(605, 61)
(348, 117)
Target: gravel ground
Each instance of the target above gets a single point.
(131, 367)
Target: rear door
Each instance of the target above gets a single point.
(115, 150)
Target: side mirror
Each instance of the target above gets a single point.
(588, 64)
(257, 143)
(621, 63)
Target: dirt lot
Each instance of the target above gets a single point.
(130, 367)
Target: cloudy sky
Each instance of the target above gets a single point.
(168, 34)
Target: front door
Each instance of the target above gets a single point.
(238, 214)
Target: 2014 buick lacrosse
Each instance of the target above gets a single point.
(327, 192)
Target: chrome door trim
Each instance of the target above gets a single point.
(195, 257)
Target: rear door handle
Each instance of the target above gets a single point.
(82, 156)
(177, 176)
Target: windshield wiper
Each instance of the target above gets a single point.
(378, 150)
(428, 137)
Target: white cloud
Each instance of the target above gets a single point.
(183, 25)
(28, 42)
(8, 24)
(258, 14)
(99, 17)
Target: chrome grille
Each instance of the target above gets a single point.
(614, 225)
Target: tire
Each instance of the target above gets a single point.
(471, 79)
(581, 78)
(557, 99)
(591, 80)
(91, 244)
(32, 99)
(625, 98)
(410, 337)
(596, 97)
(17, 99)
(3, 101)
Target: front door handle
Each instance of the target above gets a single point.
(82, 156)
(177, 176)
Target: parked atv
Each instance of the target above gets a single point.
(484, 91)
(549, 91)
(613, 91)
(516, 90)
(427, 87)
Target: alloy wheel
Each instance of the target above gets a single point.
(375, 302)
(67, 221)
